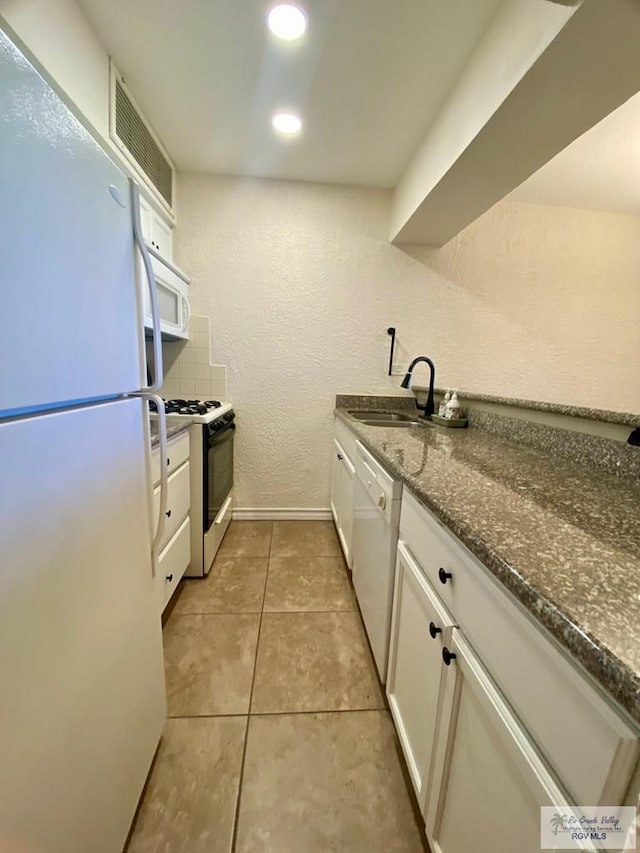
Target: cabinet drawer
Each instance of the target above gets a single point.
(346, 438)
(172, 563)
(432, 545)
(177, 453)
(178, 501)
(591, 747)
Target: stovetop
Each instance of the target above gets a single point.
(196, 411)
(190, 407)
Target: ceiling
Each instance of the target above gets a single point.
(599, 171)
(367, 78)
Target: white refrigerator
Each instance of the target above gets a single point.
(82, 698)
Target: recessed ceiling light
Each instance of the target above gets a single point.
(287, 22)
(287, 123)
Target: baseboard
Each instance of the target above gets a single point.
(281, 514)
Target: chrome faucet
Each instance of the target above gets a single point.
(429, 407)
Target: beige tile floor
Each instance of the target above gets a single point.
(278, 738)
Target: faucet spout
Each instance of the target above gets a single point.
(429, 407)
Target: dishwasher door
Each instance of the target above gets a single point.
(375, 538)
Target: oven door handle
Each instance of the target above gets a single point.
(217, 435)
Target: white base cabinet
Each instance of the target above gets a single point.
(488, 780)
(495, 721)
(342, 497)
(176, 536)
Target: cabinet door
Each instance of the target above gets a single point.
(346, 524)
(342, 498)
(161, 237)
(419, 624)
(336, 483)
(155, 230)
(488, 780)
(145, 219)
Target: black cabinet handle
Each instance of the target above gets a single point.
(444, 576)
(340, 457)
(168, 462)
(168, 513)
(448, 656)
(170, 578)
(434, 630)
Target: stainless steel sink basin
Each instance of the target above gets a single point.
(389, 419)
(382, 416)
(395, 423)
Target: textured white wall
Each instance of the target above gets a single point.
(60, 36)
(301, 284)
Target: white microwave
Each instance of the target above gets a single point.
(172, 287)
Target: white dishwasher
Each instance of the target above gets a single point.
(375, 537)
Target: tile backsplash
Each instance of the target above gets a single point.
(188, 372)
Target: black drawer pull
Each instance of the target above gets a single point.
(168, 513)
(444, 576)
(434, 630)
(448, 656)
(340, 457)
(168, 462)
(170, 578)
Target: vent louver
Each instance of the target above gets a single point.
(131, 131)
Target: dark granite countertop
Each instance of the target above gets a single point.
(564, 540)
(173, 428)
(624, 418)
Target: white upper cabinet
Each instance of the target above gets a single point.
(156, 231)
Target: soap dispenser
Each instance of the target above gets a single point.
(442, 408)
(452, 411)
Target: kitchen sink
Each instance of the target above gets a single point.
(382, 416)
(389, 419)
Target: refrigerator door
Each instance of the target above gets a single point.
(82, 700)
(72, 324)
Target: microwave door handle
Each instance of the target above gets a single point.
(186, 307)
(156, 385)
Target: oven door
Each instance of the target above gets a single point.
(218, 472)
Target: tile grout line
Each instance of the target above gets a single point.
(234, 836)
(375, 710)
(267, 612)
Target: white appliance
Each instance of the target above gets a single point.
(172, 287)
(211, 467)
(375, 537)
(82, 699)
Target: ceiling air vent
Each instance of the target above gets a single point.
(135, 138)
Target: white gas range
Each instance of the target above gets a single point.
(211, 473)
